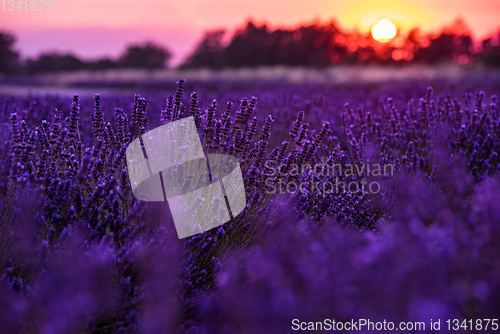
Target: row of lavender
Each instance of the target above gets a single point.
(80, 253)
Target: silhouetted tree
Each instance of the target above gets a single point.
(209, 52)
(453, 44)
(147, 55)
(249, 47)
(314, 45)
(54, 62)
(9, 59)
(490, 55)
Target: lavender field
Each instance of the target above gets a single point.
(419, 242)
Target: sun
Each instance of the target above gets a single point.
(384, 30)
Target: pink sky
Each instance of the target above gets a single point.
(94, 28)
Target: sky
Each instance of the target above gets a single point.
(94, 28)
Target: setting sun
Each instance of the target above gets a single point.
(383, 30)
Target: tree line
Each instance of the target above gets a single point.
(320, 45)
(147, 55)
(313, 45)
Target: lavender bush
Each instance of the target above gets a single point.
(80, 254)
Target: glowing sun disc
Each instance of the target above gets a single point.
(383, 30)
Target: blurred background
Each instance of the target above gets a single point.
(120, 44)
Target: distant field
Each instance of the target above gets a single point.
(128, 80)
